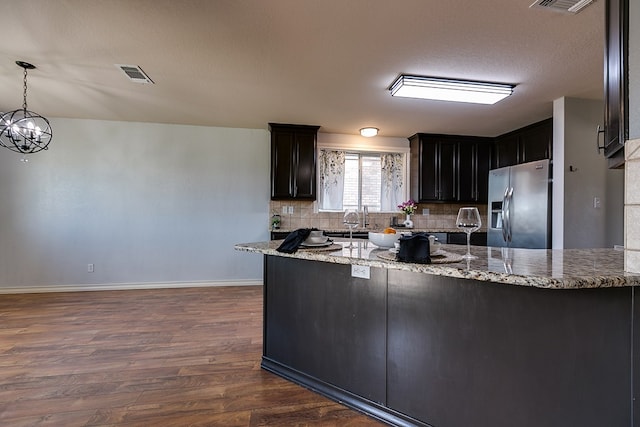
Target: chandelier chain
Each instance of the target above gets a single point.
(24, 102)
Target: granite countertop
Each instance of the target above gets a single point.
(379, 229)
(542, 268)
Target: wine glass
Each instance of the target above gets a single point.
(469, 221)
(351, 219)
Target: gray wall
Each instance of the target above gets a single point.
(145, 203)
(576, 222)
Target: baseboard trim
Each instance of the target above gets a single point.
(125, 286)
(375, 410)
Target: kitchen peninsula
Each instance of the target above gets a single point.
(516, 337)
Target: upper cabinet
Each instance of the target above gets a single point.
(449, 168)
(616, 120)
(528, 144)
(474, 163)
(293, 161)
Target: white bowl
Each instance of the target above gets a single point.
(383, 240)
(316, 240)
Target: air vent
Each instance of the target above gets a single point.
(566, 6)
(135, 73)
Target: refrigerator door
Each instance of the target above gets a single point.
(529, 206)
(498, 186)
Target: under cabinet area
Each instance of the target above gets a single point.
(293, 161)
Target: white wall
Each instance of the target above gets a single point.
(145, 203)
(576, 222)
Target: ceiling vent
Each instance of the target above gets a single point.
(135, 73)
(566, 6)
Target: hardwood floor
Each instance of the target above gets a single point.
(162, 357)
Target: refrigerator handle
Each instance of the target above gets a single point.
(509, 201)
(505, 216)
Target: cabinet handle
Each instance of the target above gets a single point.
(598, 132)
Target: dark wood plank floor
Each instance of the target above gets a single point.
(162, 357)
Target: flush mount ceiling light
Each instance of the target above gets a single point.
(570, 6)
(450, 90)
(21, 130)
(369, 132)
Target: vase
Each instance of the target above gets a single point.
(407, 222)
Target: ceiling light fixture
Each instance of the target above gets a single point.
(450, 90)
(21, 130)
(369, 132)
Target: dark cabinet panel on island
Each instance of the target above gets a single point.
(527, 144)
(449, 168)
(325, 323)
(293, 161)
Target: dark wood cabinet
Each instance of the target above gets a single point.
(434, 177)
(449, 168)
(474, 162)
(616, 111)
(293, 161)
(527, 144)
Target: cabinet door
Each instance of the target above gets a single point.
(282, 164)
(304, 179)
(506, 153)
(428, 170)
(466, 171)
(293, 161)
(448, 171)
(535, 143)
(616, 101)
(474, 162)
(483, 165)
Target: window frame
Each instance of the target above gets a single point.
(361, 153)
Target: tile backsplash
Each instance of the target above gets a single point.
(441, 216)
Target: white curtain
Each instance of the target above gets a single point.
(393, 191)
(331, 179)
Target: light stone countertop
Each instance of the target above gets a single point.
(542, 268)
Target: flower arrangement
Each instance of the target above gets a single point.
(408, 207)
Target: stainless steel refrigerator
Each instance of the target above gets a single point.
(519, 208)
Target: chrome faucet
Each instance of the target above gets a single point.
(365, 216)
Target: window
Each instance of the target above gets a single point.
(362, 183)
(351, 180)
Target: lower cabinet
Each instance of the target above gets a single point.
(477, 239)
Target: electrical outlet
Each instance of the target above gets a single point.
(284, 209)
(89, 268)
(425, 212)
(361, 271)
(290, 210)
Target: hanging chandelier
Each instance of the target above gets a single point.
(21, 130)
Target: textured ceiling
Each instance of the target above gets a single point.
(244, 63)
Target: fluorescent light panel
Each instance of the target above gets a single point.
(450, 90)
